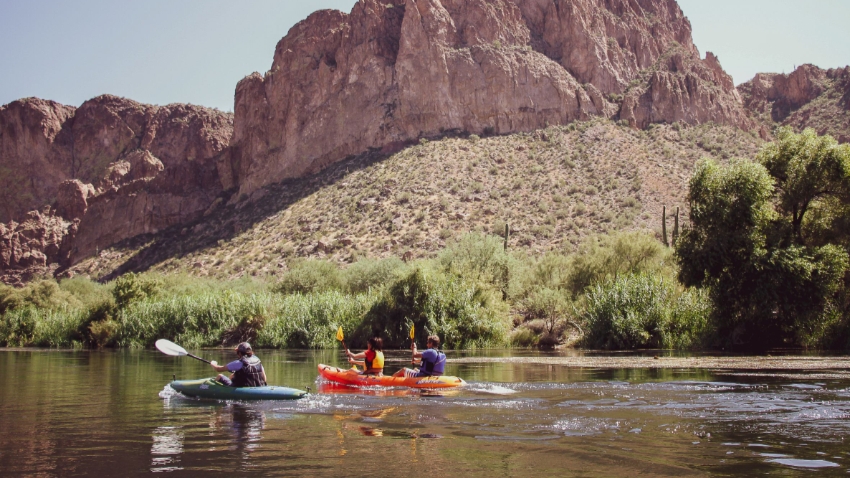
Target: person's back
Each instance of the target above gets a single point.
(251, 374)
(246, 370)
(432, 361)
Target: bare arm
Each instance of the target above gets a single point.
(217, 367)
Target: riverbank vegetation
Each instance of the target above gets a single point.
(763, 264)
(472, 294)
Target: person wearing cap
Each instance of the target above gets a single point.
(246, 370)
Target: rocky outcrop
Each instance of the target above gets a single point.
(685, 89)
(388, 74)
(112, 169)
(35, 246)
(43, 143)
(385, 75)
(32, 162)
(809, 97)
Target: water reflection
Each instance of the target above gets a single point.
(166, 449)
(513, 419)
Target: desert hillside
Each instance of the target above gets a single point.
(554, 187)
(589, 116)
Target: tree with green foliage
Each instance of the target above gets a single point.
(770, 284)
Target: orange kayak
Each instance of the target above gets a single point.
(350, 376)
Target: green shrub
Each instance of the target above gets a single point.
(552, 306)
(311, 321)
(44, 294)
(465, 314)
(367, 274)
(626, 253)
(132, 287)
(523, 337)
(481, 258)
(307, 276)
(644, 311)
(33, 327)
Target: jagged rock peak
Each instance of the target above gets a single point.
(807, 97)
(390, 73)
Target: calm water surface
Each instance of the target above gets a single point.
(110, 413)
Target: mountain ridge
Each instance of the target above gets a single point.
(370, 84)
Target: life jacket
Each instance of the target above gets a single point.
(374, 360)
(435, 368)
(251, 373)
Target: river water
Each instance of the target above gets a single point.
(111, 413)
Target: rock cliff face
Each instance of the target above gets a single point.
(381, 77)
(809, 97)
(388, 74)
(111, 169)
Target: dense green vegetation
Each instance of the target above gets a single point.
(764, 263)
(769, 242)
(473, 294)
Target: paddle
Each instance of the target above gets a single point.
(170, 348)
(412, 335)
(341, 337)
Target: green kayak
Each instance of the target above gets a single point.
(209, 388)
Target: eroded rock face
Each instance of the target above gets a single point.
(387, 74)
(34, 246)
(111, 169)
(807, 97)
(32, 159)
(379, 78)
(43, 143)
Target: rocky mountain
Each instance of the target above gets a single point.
(103, 172)
(373, 81)
(388, 74)
(809, 97)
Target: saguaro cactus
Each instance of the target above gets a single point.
(664, 226)
(676, 226)
(507, 235)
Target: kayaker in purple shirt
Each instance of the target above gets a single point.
(247, 370)
(432, 361)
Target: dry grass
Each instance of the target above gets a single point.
(554, 187)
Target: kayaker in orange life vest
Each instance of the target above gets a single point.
(373, 357)
(247, 370)
(432, 361)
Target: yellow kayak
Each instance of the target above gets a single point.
(351, 376)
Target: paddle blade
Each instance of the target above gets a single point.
(412, 332)
(339, 334)
(170, 348)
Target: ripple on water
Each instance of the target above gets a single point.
(584, 426)
(490, 388)
(799, 463)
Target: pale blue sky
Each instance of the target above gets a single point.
(195, 51)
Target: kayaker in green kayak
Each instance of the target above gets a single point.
(432, 361)
(246, 370)
(373, 357)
